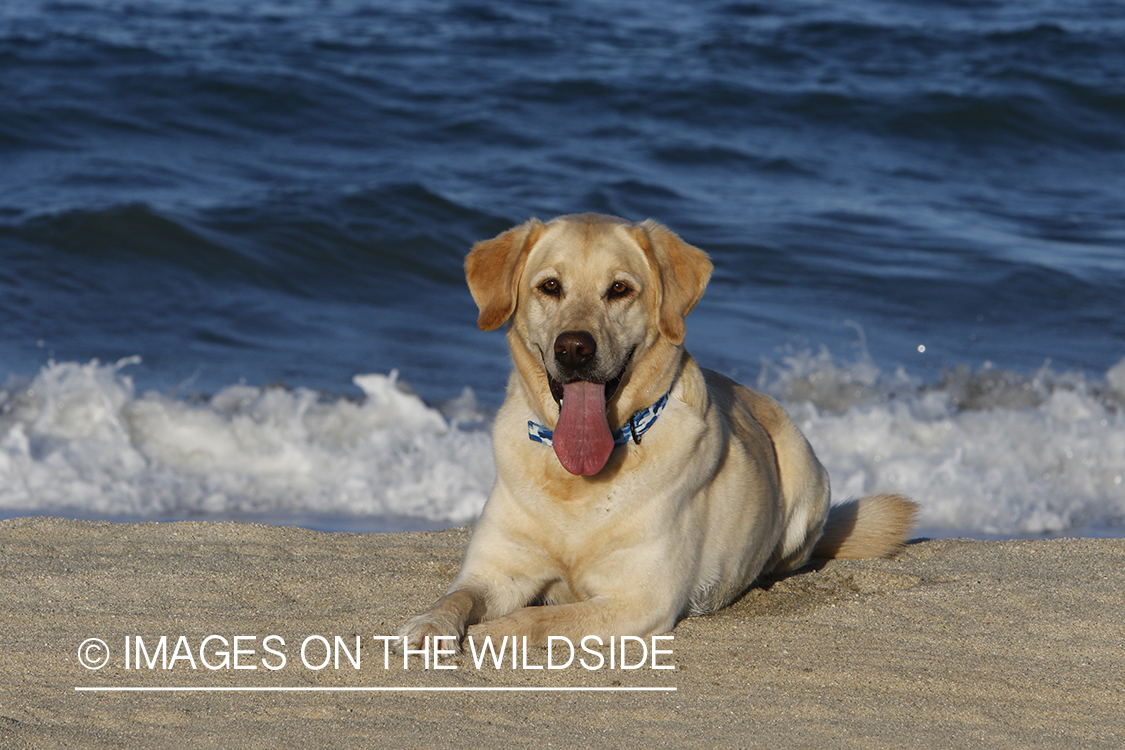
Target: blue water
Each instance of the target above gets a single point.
(901, 200)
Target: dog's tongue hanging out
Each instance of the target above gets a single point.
(582, 438)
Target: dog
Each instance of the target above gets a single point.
(633, 487)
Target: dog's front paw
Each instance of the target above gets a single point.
(513, 626)
(413, 634)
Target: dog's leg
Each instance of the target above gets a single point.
(603, 616)
(495, 579)
(449, 616)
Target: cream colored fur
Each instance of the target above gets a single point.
(721, 490)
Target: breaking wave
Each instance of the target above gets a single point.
(986, 453)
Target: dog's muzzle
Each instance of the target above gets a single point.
(582, 438)
(575, 359)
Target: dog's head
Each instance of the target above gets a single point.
(597, 307)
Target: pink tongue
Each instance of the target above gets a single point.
(582, 438)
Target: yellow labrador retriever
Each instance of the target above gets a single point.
(633, 487)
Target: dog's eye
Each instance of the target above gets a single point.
(551, 287)
(618, 289)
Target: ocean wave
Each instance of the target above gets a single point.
(989, 452)
(77, 439)
(282, 243)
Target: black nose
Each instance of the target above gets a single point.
(573, 349)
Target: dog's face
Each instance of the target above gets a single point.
(584, 304)
(594, 302)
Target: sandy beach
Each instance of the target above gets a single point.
(954, 643)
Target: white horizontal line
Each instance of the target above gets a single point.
(282, 689)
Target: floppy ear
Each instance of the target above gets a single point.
(493, 270)
(683, 270)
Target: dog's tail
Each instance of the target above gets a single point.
(872, 526)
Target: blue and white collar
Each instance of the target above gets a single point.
(637, 425)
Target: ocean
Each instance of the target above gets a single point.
(231, 237)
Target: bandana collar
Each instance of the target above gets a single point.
(638, 424)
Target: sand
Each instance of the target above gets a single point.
(954, 643)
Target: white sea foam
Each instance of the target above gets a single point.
(985, 453)
(78, 440)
